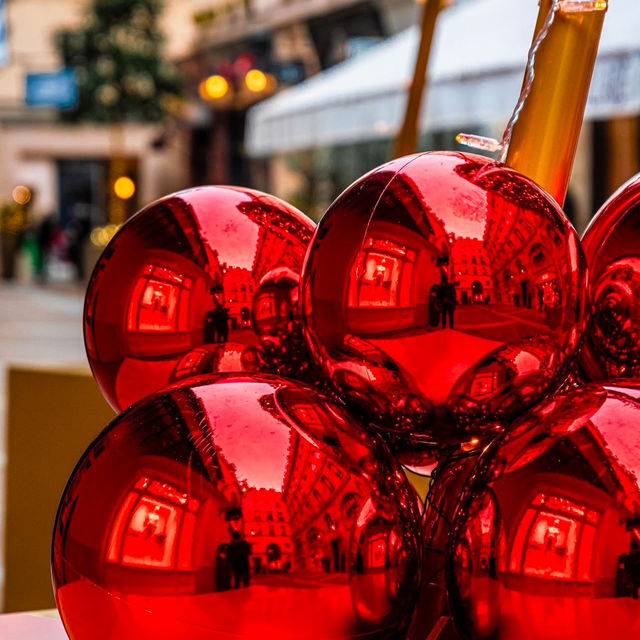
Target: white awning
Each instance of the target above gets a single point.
(476, 71)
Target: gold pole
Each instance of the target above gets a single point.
(407, 140)
(117, 167)
(545, 136)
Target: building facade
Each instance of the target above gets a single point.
(69, 168)
(288, 41)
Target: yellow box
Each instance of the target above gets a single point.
(53, 416)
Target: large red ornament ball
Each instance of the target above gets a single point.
(444, 292)
(236, 506)
(175, 292)
(546, 541)
(612, 246)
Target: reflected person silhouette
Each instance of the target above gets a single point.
(239, 553)
(447, 300)
(628, 574)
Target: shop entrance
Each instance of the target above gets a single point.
(83, 189)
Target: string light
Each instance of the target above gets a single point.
(101, 236)
(256, 80)
(21, 194)
(124, 187)
(214, 87)
(491, 144)
(530, 77)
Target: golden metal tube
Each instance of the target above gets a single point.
(407, 140)
(544, 139)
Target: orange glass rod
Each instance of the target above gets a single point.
(544, 139)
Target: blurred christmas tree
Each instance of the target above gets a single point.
(117, 55)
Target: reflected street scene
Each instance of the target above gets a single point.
(463, 301)
(545, 542)
(245, 506)
(612, 347)
(202, 281)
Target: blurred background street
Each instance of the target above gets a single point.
(107, 105)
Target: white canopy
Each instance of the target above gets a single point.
(476, 72)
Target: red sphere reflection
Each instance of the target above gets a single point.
(250, 507)
(183, 274)
(443, 292)
(545, 543)
(612, 246)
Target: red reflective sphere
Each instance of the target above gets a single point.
(185, 276)
(444, 292)
(612, 246)
(236, 506)
(546, 540)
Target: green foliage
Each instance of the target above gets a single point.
(117, 54)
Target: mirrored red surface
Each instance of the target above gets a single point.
(204, 280)
(245, 507)
(443, 293)
(546, 542)
(612, 247)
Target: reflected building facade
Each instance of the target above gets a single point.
(238, 291)
(528, 273)
(470, 271)
(267, 529)
(324, 502)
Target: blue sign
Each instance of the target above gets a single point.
(52, 89)
(4, 40)
(289, 72)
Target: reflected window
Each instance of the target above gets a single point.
(381, 275)
(329, 521)
(265, 308)
(160, 301)
(485, 383)
(377, 551)
(313, 535)
(327, 483)
(154, 528)
(555, 539)
(350, 505)
(537, 254)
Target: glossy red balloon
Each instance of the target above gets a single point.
(612, 246)
(190, 274)
(546, 540)
(236, 506)
(444, 292)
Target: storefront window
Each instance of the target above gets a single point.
(153, 528)
(159, 302)
(381, 275)
(555, 539)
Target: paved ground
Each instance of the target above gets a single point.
(38, 326)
